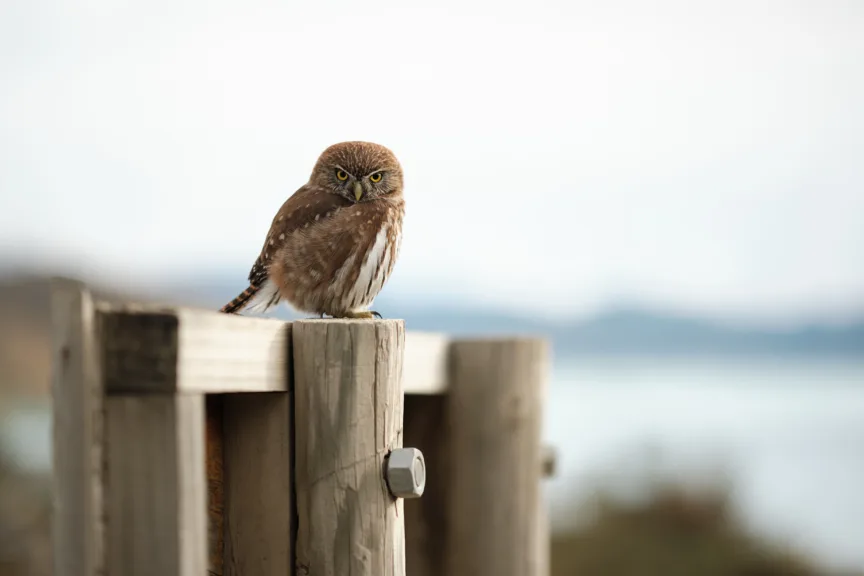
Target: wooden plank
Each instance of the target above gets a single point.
(78, 527)
(186, 350)
(426, 518)
(157, 491)
(495, 409)
(349, 402)
(425, 363)
(259, 512)
(153, 349)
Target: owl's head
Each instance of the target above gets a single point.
(358, 171)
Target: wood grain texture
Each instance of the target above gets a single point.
(78, 528)
(259, 511)
(495, 410)
(156, 491)
(185, 350)
(426, 528)
(349, 403)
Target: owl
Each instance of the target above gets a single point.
(334, 242)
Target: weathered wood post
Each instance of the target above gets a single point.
(259, 509)
(157, 498)
(544, 538)
(494, 412)
(348, 414)
(426, 526)
(78, 433)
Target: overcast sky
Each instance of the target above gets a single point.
(558, 155)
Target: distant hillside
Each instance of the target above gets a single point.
(629, 332)
(617, 332)
(640, 332)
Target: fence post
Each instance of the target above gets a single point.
(495, 408)
(426, 527)
(157, 491)
(259, 511)
(78, 433)
(348, 415)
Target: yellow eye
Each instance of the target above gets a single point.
(341, 175)
(375, 177)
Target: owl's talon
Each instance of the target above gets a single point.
(361, 315)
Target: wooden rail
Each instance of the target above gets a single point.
(190, 442)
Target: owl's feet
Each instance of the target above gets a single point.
(362, 314)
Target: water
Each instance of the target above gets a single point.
(25, 436)
(789, 435)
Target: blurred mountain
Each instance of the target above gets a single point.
(622, 331)
(618, 331)
(638, 332)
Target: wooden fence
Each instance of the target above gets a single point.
(188, 442)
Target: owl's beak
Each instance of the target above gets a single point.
(358, 191)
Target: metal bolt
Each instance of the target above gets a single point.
(549, 461)
(406, 473)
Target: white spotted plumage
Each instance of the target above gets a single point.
(364, 290)
(369, 279)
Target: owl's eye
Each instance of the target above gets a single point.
(341, 175)
(375, 177)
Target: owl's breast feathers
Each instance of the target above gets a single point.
(325, 253)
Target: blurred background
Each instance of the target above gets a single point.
(672, 192)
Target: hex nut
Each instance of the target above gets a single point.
(406, 473)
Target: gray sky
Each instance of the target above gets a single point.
(558, 155)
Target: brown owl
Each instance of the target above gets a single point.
(333, 243)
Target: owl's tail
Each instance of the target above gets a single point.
(240, 301)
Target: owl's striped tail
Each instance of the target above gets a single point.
(240, 301)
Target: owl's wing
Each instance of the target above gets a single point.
(304, 208)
